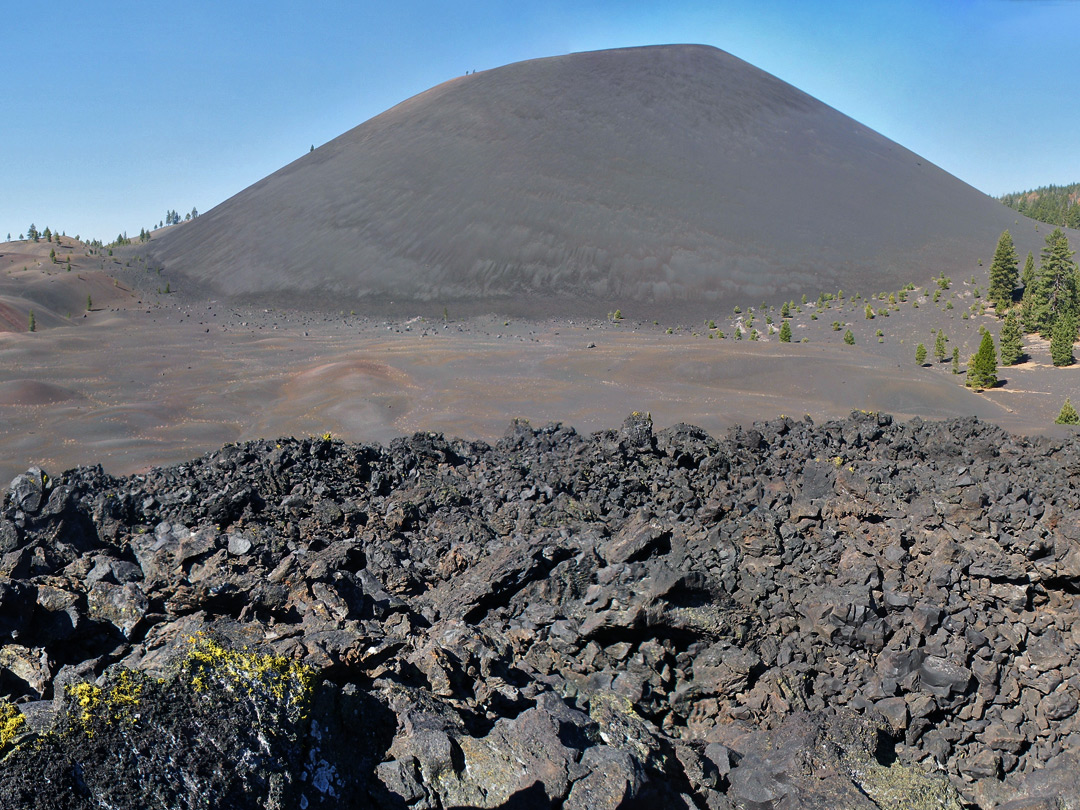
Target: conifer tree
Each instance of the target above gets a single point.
(1003, 274)
(33, 322)
(982, 369)
(849, 338)
(920, 354)
(785, 332)
(1068, 415)
(1012, 346)
(939, 346)
(956, 360)
(1056, 286)
(1028, 276)
(1062, 340)
(1028, 321)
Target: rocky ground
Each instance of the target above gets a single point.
(857, 614)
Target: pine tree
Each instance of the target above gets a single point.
(785, 332)
(1068, 415)
(89, 303)
(1028, 320)
(32, 233)
(920, 354)
(1062, 340)
(1056, 286)
(1012, 346)
(1003, 274)
(33, 322)
(939, 346)
(982, 370)
(956, 360)
(849, 338)
(1028, 276)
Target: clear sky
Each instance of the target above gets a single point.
(113, 112)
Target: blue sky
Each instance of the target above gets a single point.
(114, 112)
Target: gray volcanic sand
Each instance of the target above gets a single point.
(148, 379)
(142, 387)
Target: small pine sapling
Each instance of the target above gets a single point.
(1068, 415)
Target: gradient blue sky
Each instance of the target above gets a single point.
(114, 112)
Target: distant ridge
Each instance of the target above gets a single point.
(655, 178)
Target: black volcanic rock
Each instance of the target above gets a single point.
(861, 614)
(673, 176)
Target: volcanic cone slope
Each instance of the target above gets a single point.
(668, 175)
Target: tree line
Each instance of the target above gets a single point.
(1054, 205)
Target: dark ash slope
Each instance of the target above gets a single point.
(673, 175)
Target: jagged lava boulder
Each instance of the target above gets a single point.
(858, 614)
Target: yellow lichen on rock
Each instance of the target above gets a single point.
(118, 701)
(11, 724)
(274, 678)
